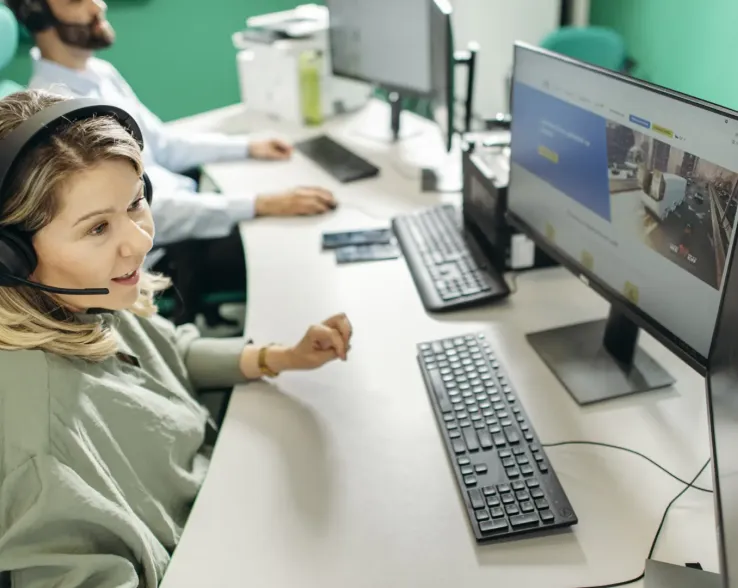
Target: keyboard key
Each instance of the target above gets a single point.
(503, 453)
(465, 423)
(542, 504)
(522, 459)
(497, 513)
(462, 461)
(518, 486)
(467, 470)
(512, 509)
(479, 425)
(493, 526)
(537, 456)
(439, 390)
(547, 516)
(527, 507)
(518, 450)
(513, 473)
(526, 470)
(493, 501)
(489, 491)
(470, 481)
(481, 468)
(508, 462)
(524, 520)
(475, 498)
(481, 515)
(498, 439)
(454, 434)
(503, 489)
(508, 499)
(532, 483)
(543, 468)
(451, 426)
(522, 495)
(536, 493)
(470, 437)
(458, 446)
(485, 439)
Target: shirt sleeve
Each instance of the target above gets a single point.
(182, 214)
(178, 150)
(210, 363)
(56, 531)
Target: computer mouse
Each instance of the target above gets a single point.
(333, 205)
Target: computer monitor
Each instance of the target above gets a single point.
(722, 400)
(633, 188)
(402, 46)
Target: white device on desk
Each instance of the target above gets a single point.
(268, 62)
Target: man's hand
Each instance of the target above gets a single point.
(297, 202)
(272, 149)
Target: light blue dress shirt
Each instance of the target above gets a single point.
(180, 212)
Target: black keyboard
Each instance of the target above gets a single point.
(446, 273)
(338, 161)
(507, 483)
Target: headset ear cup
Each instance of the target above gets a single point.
(35, 15)
(17, 256)
(148, 188)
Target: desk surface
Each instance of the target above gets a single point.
(338, 477)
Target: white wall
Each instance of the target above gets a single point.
(496, 25)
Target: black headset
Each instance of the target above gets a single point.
(17, 257)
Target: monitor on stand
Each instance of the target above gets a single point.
(370, 41)
(631, 187)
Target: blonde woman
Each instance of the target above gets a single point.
(102, 440)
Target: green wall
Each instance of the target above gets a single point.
(176, 54)
(685, 45)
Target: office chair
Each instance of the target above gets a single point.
(8, 46)
(596, 45)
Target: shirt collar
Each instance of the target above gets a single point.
(82, 82)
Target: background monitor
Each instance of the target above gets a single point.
(402, 46)
(634, 188)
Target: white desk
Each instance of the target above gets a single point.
(338, 477)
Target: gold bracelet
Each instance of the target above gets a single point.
(264, 369)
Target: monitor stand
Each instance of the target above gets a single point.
(663, 575)
(400, 127)
(600, 360)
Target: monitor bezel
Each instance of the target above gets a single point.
(643, 320)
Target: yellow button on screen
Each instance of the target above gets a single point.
(548, 154)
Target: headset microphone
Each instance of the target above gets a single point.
(65, 291)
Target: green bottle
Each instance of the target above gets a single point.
(310, 66)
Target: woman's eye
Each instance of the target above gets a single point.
(137, 204)
(99, 229)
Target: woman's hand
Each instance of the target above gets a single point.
(322, 343)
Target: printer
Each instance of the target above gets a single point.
(274, 50)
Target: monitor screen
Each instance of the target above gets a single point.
(384, 42)
(635, 186)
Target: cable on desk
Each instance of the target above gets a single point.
(658, 532)
(634, 452)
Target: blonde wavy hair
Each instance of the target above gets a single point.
(29, 318)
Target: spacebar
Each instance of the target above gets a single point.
(439, 390)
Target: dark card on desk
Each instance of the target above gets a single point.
(374, 252)
(365, 237)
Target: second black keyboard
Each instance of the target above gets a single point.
(337, 160)
(446, 273)
(506, 481)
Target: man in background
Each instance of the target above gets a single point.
(197, 233)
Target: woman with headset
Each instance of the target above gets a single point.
(102, 440)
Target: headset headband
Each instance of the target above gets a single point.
(40, 126)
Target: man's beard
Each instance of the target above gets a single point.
(85, 36)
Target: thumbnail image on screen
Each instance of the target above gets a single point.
(678, 204)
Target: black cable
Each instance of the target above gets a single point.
(658, 532)
(648, 459)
